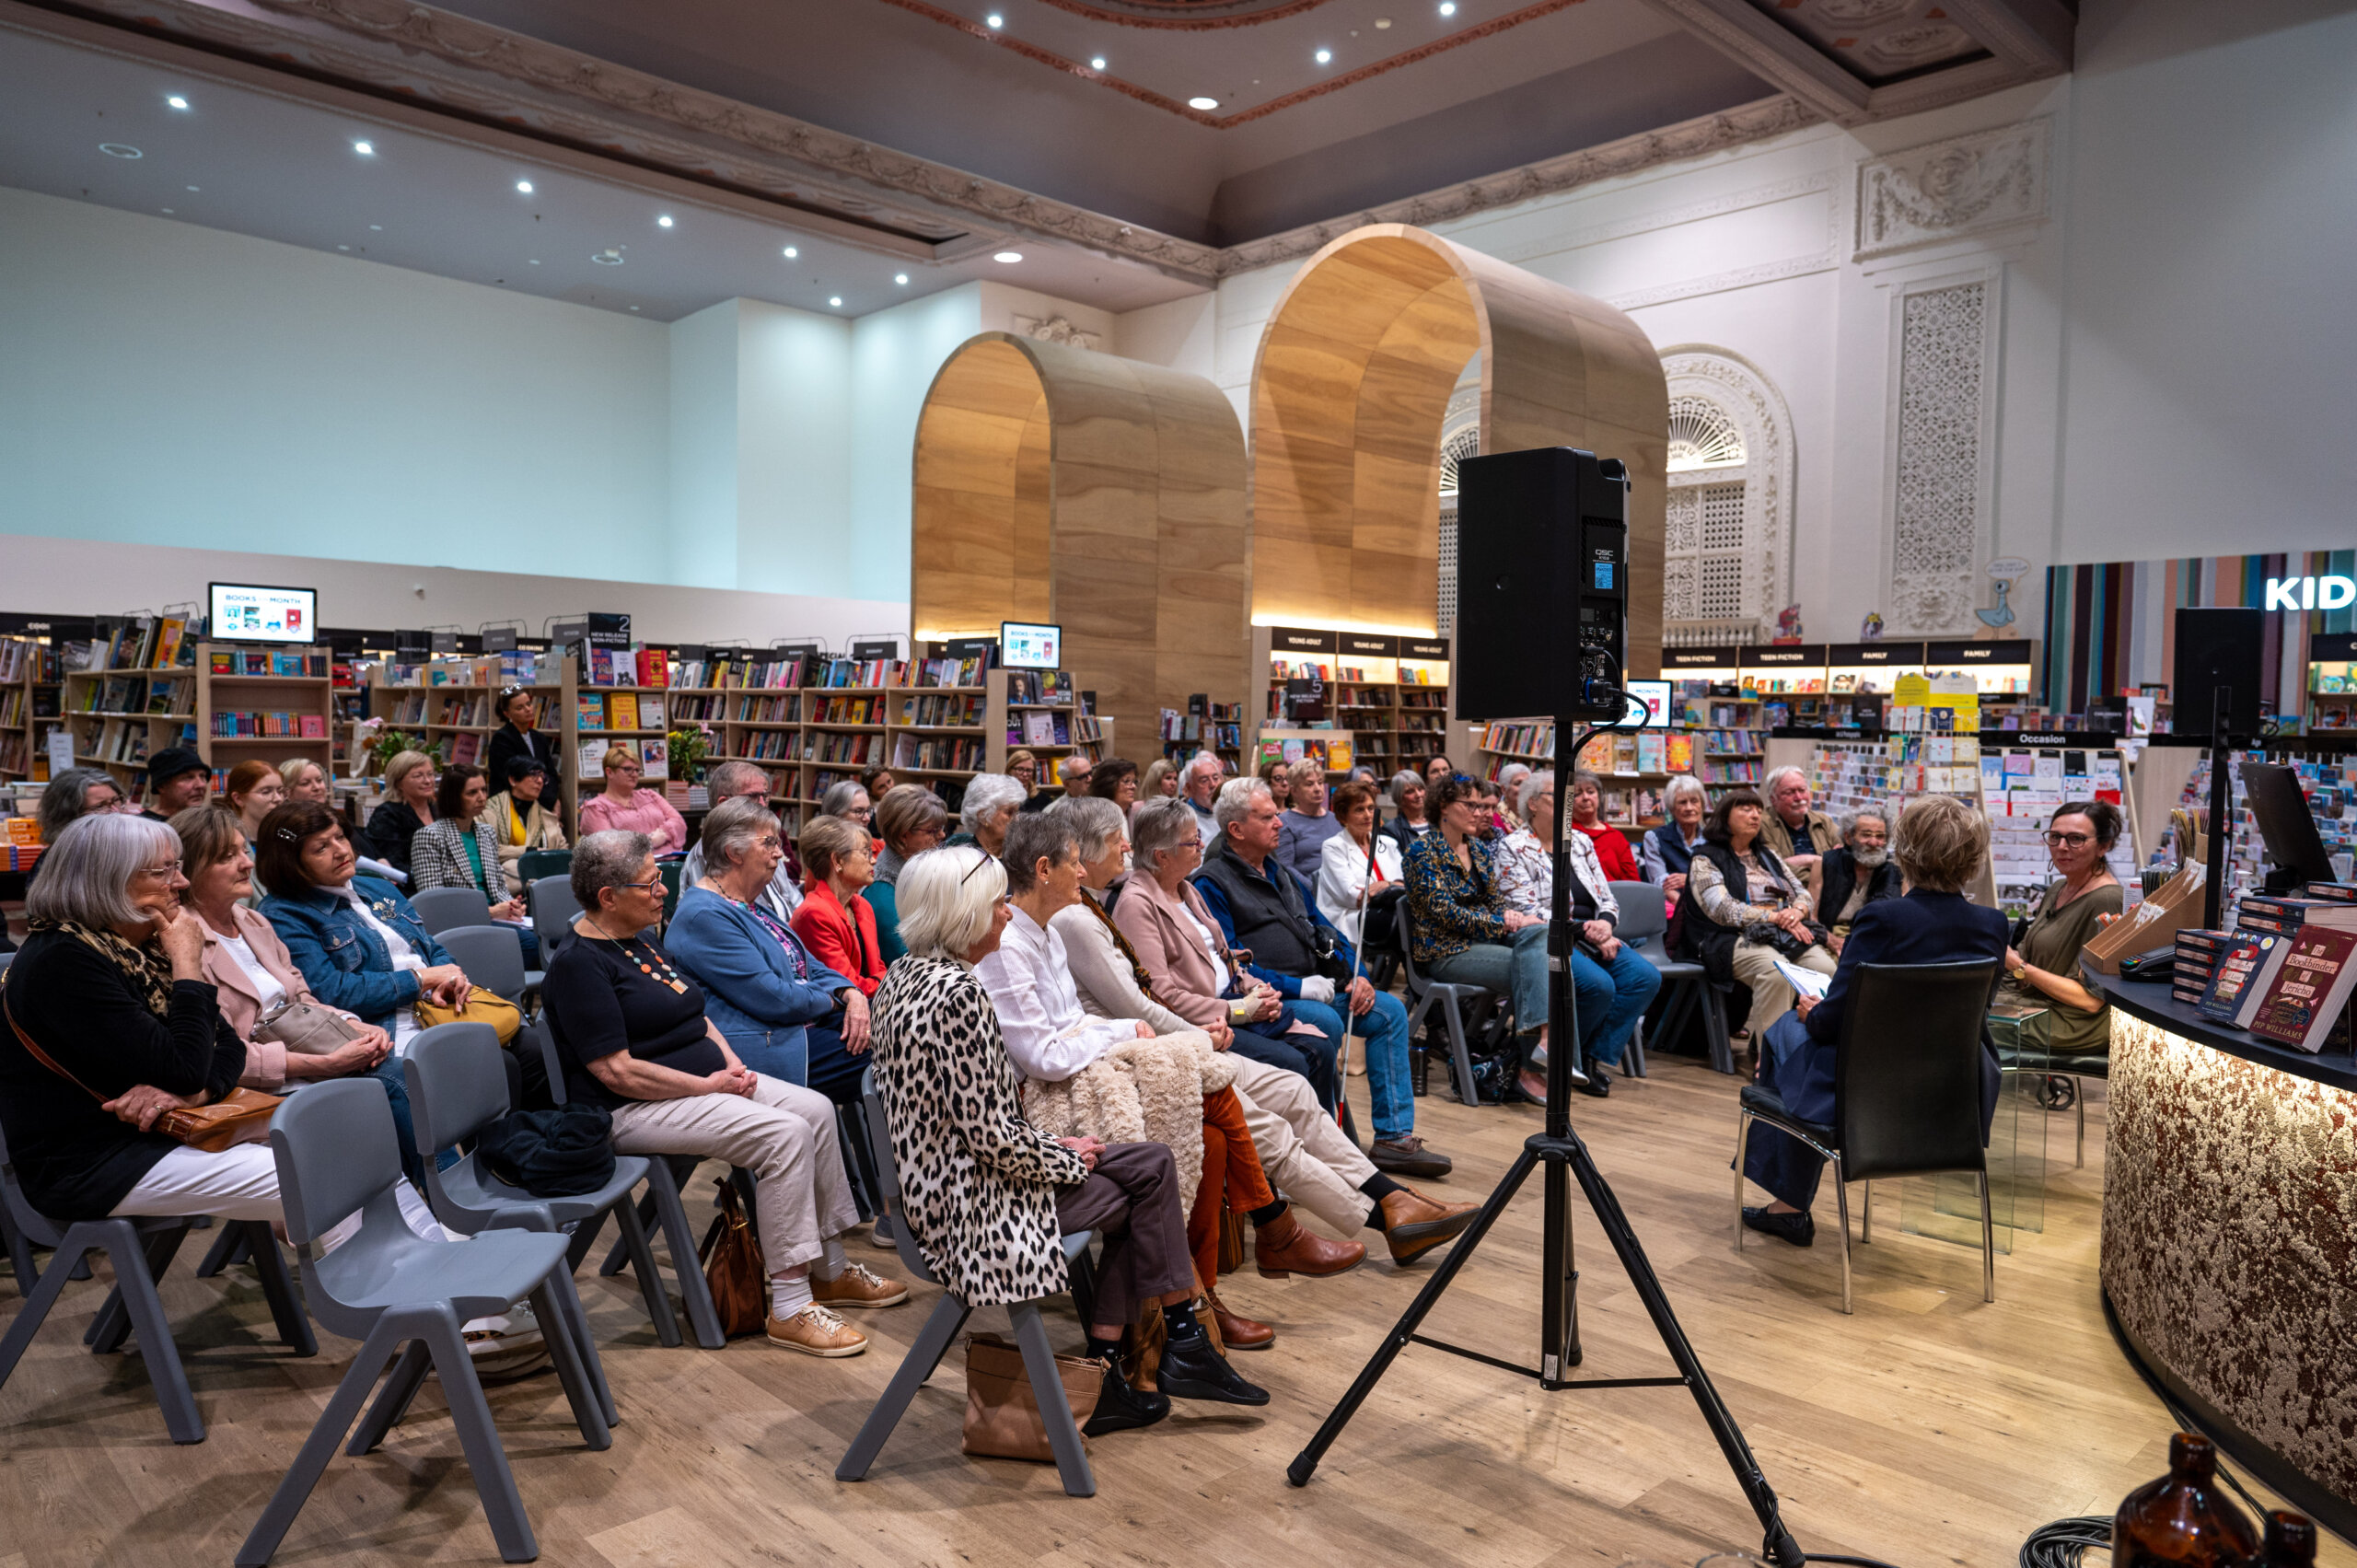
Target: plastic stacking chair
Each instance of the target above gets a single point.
(493, 956)
(141, 1249)
(396, 1292)
(1424, 993)
(457, 1086)
(554, 910)
(535, 864)
(1645, 925)
(443, 908)
(1906, 1093)
(949, 1315)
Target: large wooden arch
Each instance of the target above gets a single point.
(1352, 382)
(1058, 483)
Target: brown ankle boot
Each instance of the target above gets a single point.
(1286, 1246)
(1240, 1334)
(1413, 1224)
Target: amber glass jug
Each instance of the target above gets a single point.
(2183, 1520)
(2290, 1541)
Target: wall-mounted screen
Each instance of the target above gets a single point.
(1652, 699)
(1024, 645)
(255, 612)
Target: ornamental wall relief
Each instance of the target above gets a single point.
(1946, 190)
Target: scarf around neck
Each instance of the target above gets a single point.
(143, 964)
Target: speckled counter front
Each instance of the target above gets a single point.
(2230, 1238)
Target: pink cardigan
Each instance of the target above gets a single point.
(647, 813)
(234, 992)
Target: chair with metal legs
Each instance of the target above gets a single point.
(949, 1315)
(1906, 1093)
(1424, 993)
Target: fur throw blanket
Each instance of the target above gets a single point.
(1141, 1091)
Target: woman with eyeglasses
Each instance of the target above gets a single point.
(2042, 964)
(410, 780)
(517, 709)
(624, 806)
(911, 819)
(521, 821)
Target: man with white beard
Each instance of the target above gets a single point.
(1855, 875)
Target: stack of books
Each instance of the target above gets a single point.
(2196, 963)
(2271, 912)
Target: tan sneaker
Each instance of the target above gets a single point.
(814, 1330)
(858, 1285)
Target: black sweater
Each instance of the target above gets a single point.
(76, 1161)
(390, 828)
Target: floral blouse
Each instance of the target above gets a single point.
(1453, 907)
(1771, 888)
(1527, 875)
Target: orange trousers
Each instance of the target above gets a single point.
(1232, 1168)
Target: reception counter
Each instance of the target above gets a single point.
(2230, 1238)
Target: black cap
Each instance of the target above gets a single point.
(522, 767)
(172, 762)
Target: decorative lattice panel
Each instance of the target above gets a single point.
(1935, 527)
(1702, 435)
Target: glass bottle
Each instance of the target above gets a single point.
(2290, 1541)
(2182, 1520)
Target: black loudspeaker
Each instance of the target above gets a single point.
(2214, 648)
(1543, 584)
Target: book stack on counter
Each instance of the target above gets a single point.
(2196, 963)
(2293, 986)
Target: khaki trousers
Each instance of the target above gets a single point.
(785, 1134)
(1772, 994)
(1302, 1149)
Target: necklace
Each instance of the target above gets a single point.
(669, 977)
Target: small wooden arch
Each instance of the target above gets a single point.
(1057, 484)
(1352, 381)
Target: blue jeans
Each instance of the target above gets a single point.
(1515, 968)
(782, 1052)
(1385, 1029)
(1609, 999)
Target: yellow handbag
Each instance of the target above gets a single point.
(481, 1007)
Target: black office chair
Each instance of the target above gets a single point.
(1906, 1093)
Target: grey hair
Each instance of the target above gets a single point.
(607, 860)
(1160, 825)
(731, 827)
(1684, 785)
(1849, 821)
(61, 803)
(839, 797)
(732, 779)
(1199, 759)
(947, 899)
(1401, 782)
(86, 873)
(1307, 769)
(1235, 800)
(1768, 785)
(1096, 820)
(1533, 785)
(1510, 776)
(986, 795)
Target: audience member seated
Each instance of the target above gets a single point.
(1161, 778)
(177, 779)
(1798, 832)
(1611, 986)
(838, 928)
(1509, 789)
(1466, 933)
(632, 1034)
(909, 820)
(1942, 843)
(1074, 770)
(623, 805)
(1200, 782)
(521, 822)
(2042, 963)
(459, 849)
(1437, 768)
(1304, 826)
(1115, 779)
(1301, 1147)
(74, 793)
(305, 780)
(849, 800)
(411, 781)
(1267, 911)
(1852, 875)
(253, 792)
(740, 780)
(1023, 767)
(1611, 845)
(991, 803)
(761, 985)
(988, 1196)
(1744, 908)
(1409, 819)
(1664, 852)
(876, 782)
(1356, 862)
(516, 738)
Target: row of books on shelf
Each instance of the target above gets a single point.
(695, 707)
(1718, 773)
(848, 710)
(136, 695)
(1336, 754)
(20, 659)
(15, 753)
(1218, 726)
(1052, 729)
(768, 745)
(515, 666)
(938, 754)
(862, 673)
(654, 760)
(1054, 687)
(2285, 973)
(283, 663)
(859, 749)
(127, 741)
(627, 666)
(617, 710)
(948, 710)
(1645, 751)
(786, 709)
(139, 642)
(226, 725)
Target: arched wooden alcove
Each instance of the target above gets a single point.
(1057, 484)
(1348, 394)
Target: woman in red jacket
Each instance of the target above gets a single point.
(1612, 850)
(834, 921)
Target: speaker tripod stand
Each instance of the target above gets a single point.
(1559, 1157)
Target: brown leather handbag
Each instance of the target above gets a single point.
(733, 1269)
(241, 1116)
(1003, 1419)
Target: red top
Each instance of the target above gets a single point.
(843, 940)
(1611, 852)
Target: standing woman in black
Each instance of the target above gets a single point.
(515, 708)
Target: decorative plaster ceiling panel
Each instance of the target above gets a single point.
(1878, 41)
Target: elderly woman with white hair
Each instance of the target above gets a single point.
(1665, 851)
(1509, 782)
(987, 1197)
(991, 803)
(1410, 821)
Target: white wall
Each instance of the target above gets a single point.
(894, 355)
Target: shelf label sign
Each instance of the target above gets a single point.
(2334, 592)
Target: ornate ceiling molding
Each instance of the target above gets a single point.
(1186, 15)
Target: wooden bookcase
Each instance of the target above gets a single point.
(121, 715)
(1390, 695)
(269, 708)
(1020, 699)
(21, 666)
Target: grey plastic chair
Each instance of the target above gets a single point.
(395, 1290)
(554, 909)
(493, 956)
(949, 1315)
(1645, 925)
(1424, 993)
(141, 1249)
(443, 908)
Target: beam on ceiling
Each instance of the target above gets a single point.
(2036, 35)
(1771, 53)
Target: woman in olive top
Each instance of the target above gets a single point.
(2042, 967)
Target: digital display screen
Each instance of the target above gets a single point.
(251, 613)
(1650, 698)
(1603, 576)
(1024, 645)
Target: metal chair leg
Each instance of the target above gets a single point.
(1742, 1147)
(2079, 1101)
(933, 1341)
(1866, 1219)
(1842, 1205)
(1063, 1433)
(1714, 1015)
(1988, 1245)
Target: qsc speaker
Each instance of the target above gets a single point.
(2214, 648)
(1542, 584)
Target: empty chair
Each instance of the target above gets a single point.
(1424, 993)
(443, 908)
(1645, 925)
(1907, 1073)
(396, 1292)
(492, 959)
(554, 909)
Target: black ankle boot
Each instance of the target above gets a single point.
(1120, 1408)
(1192, 1369)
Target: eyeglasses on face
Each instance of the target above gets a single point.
(163, 873)
(2072, 841)
(654, 887)
(630, 768)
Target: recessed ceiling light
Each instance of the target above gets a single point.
(1009, 257)
(366, 149)
(376, 228)
(343, 247)
(165, 210)
(1382, 22)
(1203, 103)
(663, 222)
(634, 307)
(609, 256)
(1097, 63)
(532, 263)
(901, 278)
(177, 101)
(1324, 56)
(790, 253)
(192, 187)
(1449, 7)
(836, 300)
(995, 19)
(525, 186)
(118, 149)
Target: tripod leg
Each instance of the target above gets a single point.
(1559, 1306)
(1304, 1464)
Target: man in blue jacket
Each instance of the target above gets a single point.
(1268, 909)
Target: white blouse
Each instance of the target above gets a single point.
(1344, 879)
(266, 985)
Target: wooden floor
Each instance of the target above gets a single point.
(1928, 1428)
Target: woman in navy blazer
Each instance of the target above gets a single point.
(1940, 846)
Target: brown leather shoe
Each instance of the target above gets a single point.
(1413, 1224)
(1240, 1333)
(1287, 1246)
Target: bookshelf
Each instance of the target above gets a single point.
(447, 701)
(1633, 766)
(20, 663)
(129, 692)
(2332, 681)
(1206, 726)
(1022, 705)
(1386, 697)
(262, 704)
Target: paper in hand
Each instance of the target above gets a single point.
(1808, 982)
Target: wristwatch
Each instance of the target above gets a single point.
(2021, 975)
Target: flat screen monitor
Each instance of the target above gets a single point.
(257, 612)
(1648, 703)
(2284, 821)
(1027, 644)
